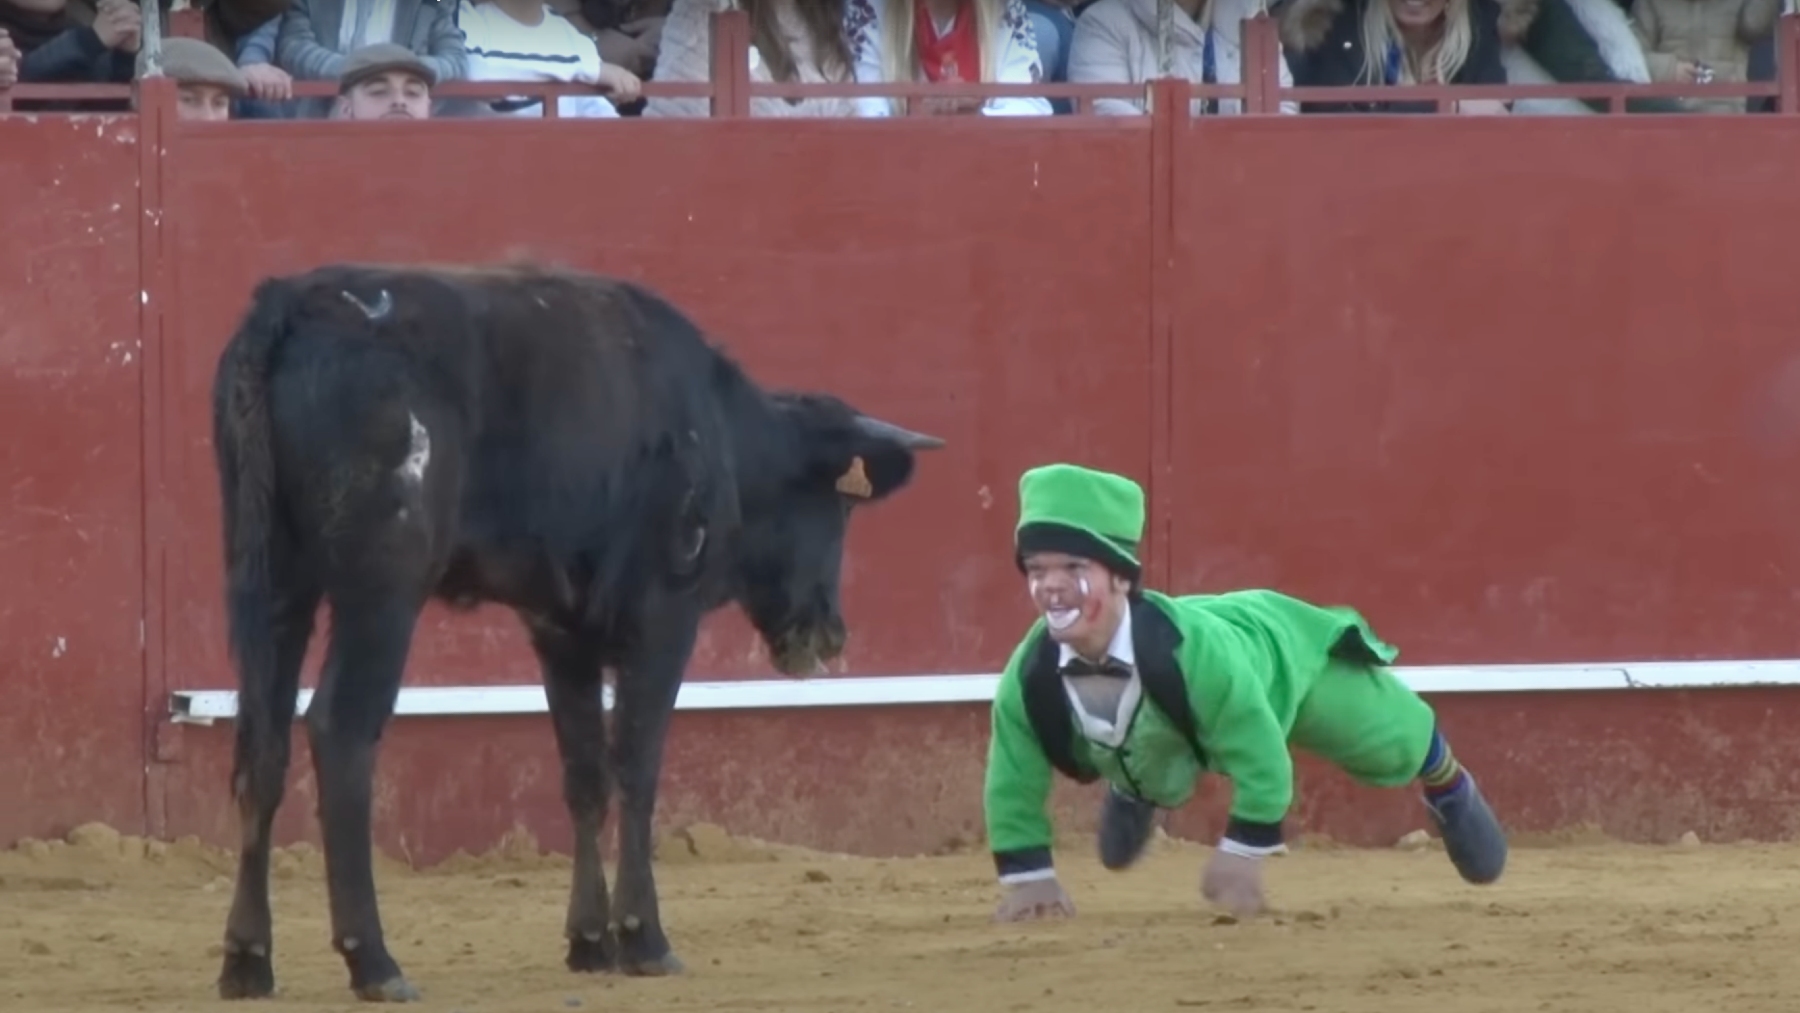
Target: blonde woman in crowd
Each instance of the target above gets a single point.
(1337, 43)
(1115, 43)
(792, 41)
(946, 41)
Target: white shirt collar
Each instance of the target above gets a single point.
(1120, 649)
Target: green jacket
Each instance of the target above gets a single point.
(1222, 677)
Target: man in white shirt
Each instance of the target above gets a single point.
(523, 40)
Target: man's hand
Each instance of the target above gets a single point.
(619, 84)
(269, 82)
(119, 24)
(1235, 883)
(9, 60)
(1040, 898)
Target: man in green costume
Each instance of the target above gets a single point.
(1150, 692)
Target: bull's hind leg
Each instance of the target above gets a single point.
(571, 671)
(647, 688)
(258, 780)
(371, 634)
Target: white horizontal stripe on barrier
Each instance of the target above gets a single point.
(209, 705)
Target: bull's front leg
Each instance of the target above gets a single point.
(571, 672)
(645, 701)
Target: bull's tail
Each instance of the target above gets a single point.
(243, 442)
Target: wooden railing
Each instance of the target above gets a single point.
(731, 89)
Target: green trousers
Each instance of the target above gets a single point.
(1365, 721)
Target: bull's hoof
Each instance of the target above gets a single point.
(599, 955)
(395, 989)
(664, 966)
(246, 975)
(644, 951)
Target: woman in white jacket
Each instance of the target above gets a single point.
(1115, 43)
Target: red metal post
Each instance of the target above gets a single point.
(156, 115)
(1169, 121)
(730, 63)
(1262, 65)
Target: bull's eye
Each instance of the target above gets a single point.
(695, 541)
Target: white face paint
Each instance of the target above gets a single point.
(1059, 614)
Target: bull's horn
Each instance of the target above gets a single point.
(877, 429)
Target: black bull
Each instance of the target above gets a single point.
(566, 445)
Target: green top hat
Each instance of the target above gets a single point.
(1092, 514)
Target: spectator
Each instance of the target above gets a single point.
(1115, 43)
(628, 32)
(523, 40)
(1338, 43)
(269, 88)
(1760, 66)
(1703, 40)
(54, 49)
(1053, 26)
(9, 60)
(946, 41)
(225, 22)
(1567, 41)
(205, 79)
(316, 34)
(385, 81)
(799, 41)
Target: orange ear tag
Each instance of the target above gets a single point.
(854, 481)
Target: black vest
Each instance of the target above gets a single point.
(1154, 641)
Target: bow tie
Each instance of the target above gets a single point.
(1111, 666)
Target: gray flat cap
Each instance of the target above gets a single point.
(372, 61)
(192, 61)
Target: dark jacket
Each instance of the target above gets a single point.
(1324, 48)
(77, 57)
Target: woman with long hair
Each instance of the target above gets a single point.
(792, 42)
(947, 41)
(1336, 43)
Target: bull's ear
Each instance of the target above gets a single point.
(855, 480)
(874, 470)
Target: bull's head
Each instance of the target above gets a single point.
(834, 459)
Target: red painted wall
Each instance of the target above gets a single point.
(1511, 388)
(71, 540)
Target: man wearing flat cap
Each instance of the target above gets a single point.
(1148, 692)
(384, 81)
(205, 79)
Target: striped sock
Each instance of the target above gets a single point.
(1441, 774)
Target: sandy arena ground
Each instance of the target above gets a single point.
(104, 923)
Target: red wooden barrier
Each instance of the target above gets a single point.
(1508, 386)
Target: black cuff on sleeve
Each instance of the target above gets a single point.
(1255, 835)
(1025, 860)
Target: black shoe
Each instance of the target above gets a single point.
(1125, 827)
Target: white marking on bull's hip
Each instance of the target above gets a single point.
(418, 454)
(383, 305)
